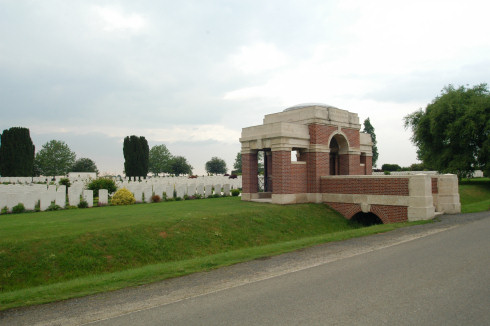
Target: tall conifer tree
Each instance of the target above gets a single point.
(16, 153)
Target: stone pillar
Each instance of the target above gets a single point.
(448, 194)
(421, 204)
(250, 181)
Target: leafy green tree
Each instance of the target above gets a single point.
(102, 183)
(368, 128)
(391, 167)
(16, 153)
(237, 166)
(84, 165)
(216, 166)
(55, 158)
(452, 134)
(160, 159)
(136, 156)
(179, 165)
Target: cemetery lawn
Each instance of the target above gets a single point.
(51, 256)
(474, 195)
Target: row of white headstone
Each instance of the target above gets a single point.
(29, 195)
(144, 192)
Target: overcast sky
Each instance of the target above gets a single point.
(192, 74)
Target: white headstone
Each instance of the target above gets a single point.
(103, 196)
(88, 196)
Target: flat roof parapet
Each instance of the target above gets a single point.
(315, 113)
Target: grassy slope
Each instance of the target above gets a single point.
(475, 195)
(57, 255)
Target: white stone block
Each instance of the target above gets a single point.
(148, 192)
(226, 189)
(74, 196)
(169, 191)
(217, 189)
(191, 189)
(209, 190)
(60, 199)
(138, 194)
(45, 200)
(200, 189)
(88, 196)
(180, 189)
(103, 196)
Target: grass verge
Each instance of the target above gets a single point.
(57, 255)
(143, 275)
(474, 195)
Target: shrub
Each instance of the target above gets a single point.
(155, 199)
(123, 197)
(19, 208)
(235, 192)
(83, 204)
(54, 207)
(65, 182)
(387, 172)
(5, 210)
(178, 199)
(102, 183)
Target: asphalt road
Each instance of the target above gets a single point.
(436, 274)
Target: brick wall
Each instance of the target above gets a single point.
(298, 179)
(369, 165)
(349, 164)
(390, 214)
(249, 173)
(434, 185)
(369, 186)
(281, 172)
(387, 214)
(346, 209)
(317, 165)
(353, 137)
(319, 134)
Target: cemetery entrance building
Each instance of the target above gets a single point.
(316, 153)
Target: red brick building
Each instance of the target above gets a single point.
(311, 153)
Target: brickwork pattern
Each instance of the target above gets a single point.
(250, 182)
(298, 179)
(434, 185)
(353, 137)
(346, 209)
(390, 214)
(317, 165)
(387, 214)
(349, 164)
(369, 165)
(368, 186)
(319, 134)
(281, 172)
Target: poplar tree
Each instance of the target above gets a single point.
(16, 153)
(368, 128)
(136, 156)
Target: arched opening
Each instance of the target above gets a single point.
(338, 145)
(366, 219)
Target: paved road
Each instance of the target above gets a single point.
(435, 274)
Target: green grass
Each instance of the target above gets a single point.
(474, 195)
(57, 255)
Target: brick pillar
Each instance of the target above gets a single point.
(250, 182)
(317, 165)
(281, 171)
(350, 164)
(268, 163)
(369, 165)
